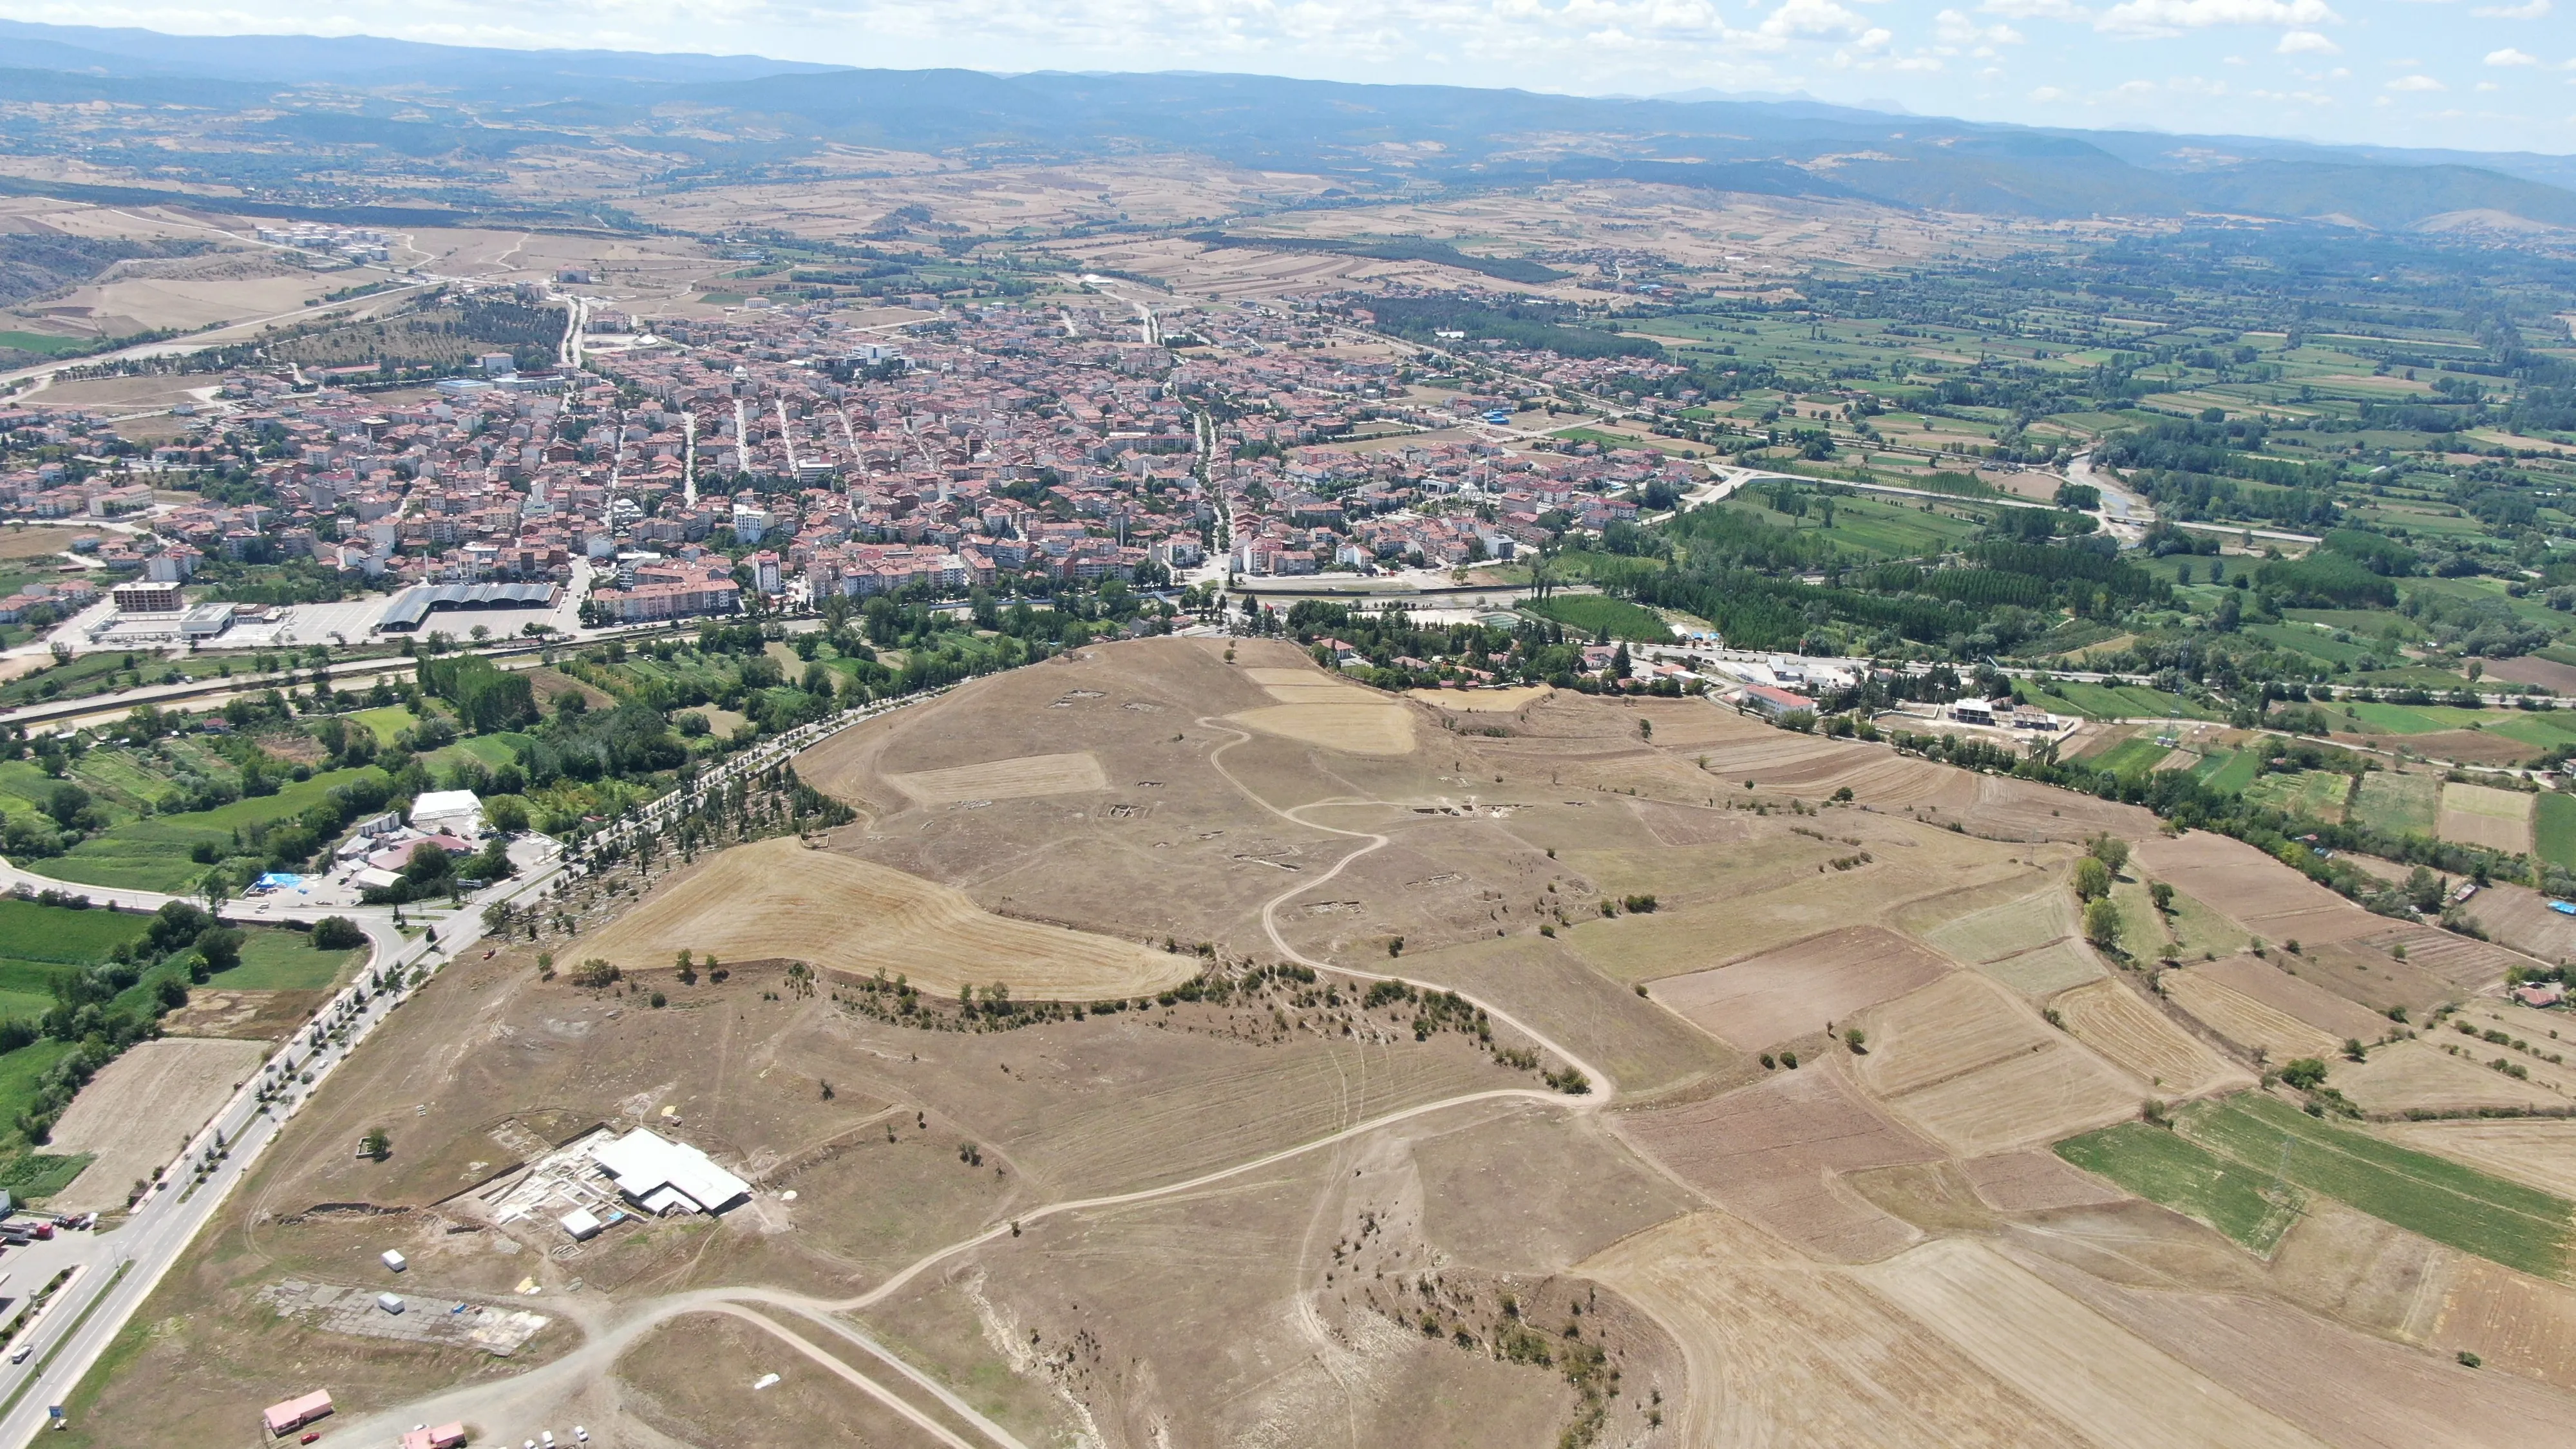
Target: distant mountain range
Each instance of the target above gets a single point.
(1453, 137)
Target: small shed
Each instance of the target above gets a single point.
(581, 1223)
(394, 1260)
(284, 1419)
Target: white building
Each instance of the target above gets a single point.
(661, 1176)
(448, 812)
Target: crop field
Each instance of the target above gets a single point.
(2400, 803)
(2111, 1019)
(2241, 1019)
(1026, 778)
(2483, 815)
(2536, 1152)
(2165, 1168)
(1981, 1075)
(2317, 794)
(2419, 1076)
(2297, 996)
(1796, 990)
(2028, 944)
(1594, 614)
(2061, 1355)
(136, 1115)
(2104, 701)
(1774, 1154)
(2449, 1202)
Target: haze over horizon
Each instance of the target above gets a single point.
(2492, 76)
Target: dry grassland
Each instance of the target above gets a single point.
(2537, 1151)
(2244, 1021)
(267, 1016)
(1780, 1351)
(778, 899)
(2113, 1020)
(2080, 1366)
(140, 1111)
(1646, 1048)
(18, 542)
(2411, 1076)
(691, 1379)
(1481, 701)
(2484, 815)
(2034, 1181)
(1775, 1153)
(1800, 990)
(2252, 889)
(1025, 778)
(2517, 1323)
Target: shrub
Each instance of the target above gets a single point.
(337, 933)
(595, 973)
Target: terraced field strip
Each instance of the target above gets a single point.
(2163, 1168)
(2449, 1202)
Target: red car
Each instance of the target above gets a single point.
(309, 1438)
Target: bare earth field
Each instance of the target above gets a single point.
(140, 1112)
(2113, 1020)
(1019, 779)
(1800, 989)
(2481, 815)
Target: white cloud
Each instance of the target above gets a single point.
(2511, 57)
(1813, 19)
(2416, 83)
(2037, 10)
(1956, 28)
(2172, 17)
(2529, 10)
(2488, 86)
(2306, 42)
(2050, 95)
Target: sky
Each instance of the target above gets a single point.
(2472, 74)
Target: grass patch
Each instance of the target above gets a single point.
(41, 1174)
(2449, 1202)
(280, 960)
(2399, 804)
(2100, 701)
(2201, 1185)
(2317, 794)
(2131, 757)
(2230, 771)
(2553, 830)
(60, 935)
(152, 854)
(45, 343)
(1593, 613)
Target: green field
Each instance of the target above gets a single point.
(1592, 613)
(2098, 701)
(151, 854)
(2553, 830)
(2401, 804)
(44, 342)
(2229, 772)
(2161, 1167)
(2318, 794)
(1882, 527)
(274, 959)
(30, 932)
(2450, 1203)
(2131, 757)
